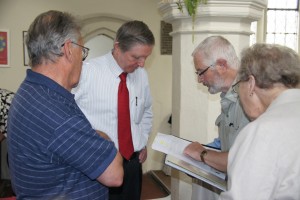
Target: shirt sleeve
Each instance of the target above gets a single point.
(216, 143)
(78, 145)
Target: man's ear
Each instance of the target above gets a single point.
(222, 65)
(222, 62)
(116, 46)
(67, 50)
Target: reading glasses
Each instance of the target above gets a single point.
(85, 50)
(200, 73)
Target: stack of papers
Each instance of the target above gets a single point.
(173, 146)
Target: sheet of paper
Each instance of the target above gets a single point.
(174, 146)
(169, 144)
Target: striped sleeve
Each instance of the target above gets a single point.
(76, 143)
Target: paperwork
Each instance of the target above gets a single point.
(173, 146)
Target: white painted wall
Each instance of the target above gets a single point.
(98, 46)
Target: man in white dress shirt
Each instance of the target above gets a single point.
(97, 96)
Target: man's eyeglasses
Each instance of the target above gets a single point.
(85, 51)
(200, 73)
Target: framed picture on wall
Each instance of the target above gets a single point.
(25, 53)
(4, 48)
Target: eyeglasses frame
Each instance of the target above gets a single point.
(202, 72)
(85, 50)
(235, 86)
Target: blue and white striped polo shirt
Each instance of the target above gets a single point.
(53, 151)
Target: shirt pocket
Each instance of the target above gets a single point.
(139, 109)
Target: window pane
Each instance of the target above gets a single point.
(285, 4)
(283, 23)
(292, 21)
(270, 38)
(290, 40)
(271, 21)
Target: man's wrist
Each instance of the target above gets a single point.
(202, 155)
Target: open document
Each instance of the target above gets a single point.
(173, 146)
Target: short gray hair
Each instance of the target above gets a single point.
(270, 64)
(132, 33)
(217, 47)
(47, 33)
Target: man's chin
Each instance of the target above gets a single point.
(212, 90)
(131, 69)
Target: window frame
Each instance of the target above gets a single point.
(274, 33)
(260, 31)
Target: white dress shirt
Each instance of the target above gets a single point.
(97, 96)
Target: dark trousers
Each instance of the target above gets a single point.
(132, 182)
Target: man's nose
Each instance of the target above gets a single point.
(200, 79)
(141, 62)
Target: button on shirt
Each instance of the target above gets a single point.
(231, 120)
(97, 96)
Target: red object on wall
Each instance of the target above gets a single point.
(3, 48)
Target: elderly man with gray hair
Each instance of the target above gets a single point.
(216, 65)
(54, 153)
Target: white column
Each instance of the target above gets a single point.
(194, 110)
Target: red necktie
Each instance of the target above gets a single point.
(124, 128)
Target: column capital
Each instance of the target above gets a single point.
(250, 9)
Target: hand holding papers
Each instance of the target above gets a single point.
(173, 147)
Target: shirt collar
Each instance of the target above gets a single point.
(114, 66)
(40, 79)
(228, 98)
